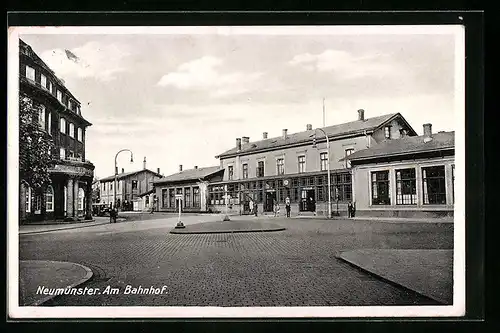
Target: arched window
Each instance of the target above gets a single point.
(81, 196)
(49, 199)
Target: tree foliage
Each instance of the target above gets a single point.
(35, 146)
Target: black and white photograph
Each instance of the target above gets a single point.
(236, 171)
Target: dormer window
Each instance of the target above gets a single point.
(387, 132)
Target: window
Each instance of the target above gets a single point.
(49, 199)
(70, 104)
(111, 186)
(50, 87)
(387, 132)
(49, 123)
(63, 125)
(62, 153)
(28, 199)
(38, 204)
(302, 164)
(245, 171)
(43, 81)
(71, 130)
(196, 197)
(147, 200)
(81, 197)
(104, 186)
(453, 181)
(280, 166)
(80, 134)
(187, 197)
(406, 187)
(171, 196)
(30, 73)
(59, 95)
(341, 188)
(65, 199)
(230, 172)
(323, 157)
(164, 197)
(260, 169)
(434, 185)
(134, 184)
(41, 116)
(380, 188)
(347, 153)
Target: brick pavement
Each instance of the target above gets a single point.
(295, 267)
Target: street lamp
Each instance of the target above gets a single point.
(327, 167)
(116, 173)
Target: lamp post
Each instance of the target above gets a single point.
(116, 173)
(327, 167)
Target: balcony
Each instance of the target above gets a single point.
(73, 166)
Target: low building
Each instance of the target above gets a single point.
(190, 185)
(129, 188)
(408, 177)
(296, 165)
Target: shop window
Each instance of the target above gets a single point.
(380, 188)
(49, 199)
(406, 187)
(434, 184)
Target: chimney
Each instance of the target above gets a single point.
(361, 114)
(123, 170)
(309, 127)
(264, 135)
(180, 167)
(284, 133)
(158, 170)
(144, 163)
(238, 144)
(427, 132)
(196, 167)
(246, 139)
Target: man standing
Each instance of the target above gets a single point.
(287, 206)
(250, 206)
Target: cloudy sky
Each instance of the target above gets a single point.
(185, 98)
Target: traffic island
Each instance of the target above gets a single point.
(42, 280)
(222, 227)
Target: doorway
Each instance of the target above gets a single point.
(307, 200)
(269, 203)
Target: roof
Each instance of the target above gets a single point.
(350, 128)
(190, 174)
(407, 145)
(127, 174)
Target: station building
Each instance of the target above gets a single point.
(295, 165)
(69, 196)
(410, 177)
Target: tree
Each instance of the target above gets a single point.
(35, 146)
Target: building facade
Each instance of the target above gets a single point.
(410, 177)
(130, 187)
(69, 196)
(191, 186)
(295, 166)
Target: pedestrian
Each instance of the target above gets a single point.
(250, 206)
(353, 209)
(276, 210)
(255, 208)
(287, 206)
(349, 209)
(112, 215)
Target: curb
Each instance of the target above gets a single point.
(386, 280)
(87, 277)
(60, 229)
(225, 231)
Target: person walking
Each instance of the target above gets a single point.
(287, 206)
(250, 206)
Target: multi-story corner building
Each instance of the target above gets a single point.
(69, 196)
(130, 188)
(295, 165)
(410, 177)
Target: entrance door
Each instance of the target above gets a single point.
(307, 201)
(269, 203)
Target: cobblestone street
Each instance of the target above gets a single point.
(294, 267)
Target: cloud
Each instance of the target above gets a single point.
(203, 73)
(94, 59)
(345, 64)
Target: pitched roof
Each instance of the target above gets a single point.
(353, 127)
(190, 174)
(127, 174)
(406, 145)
